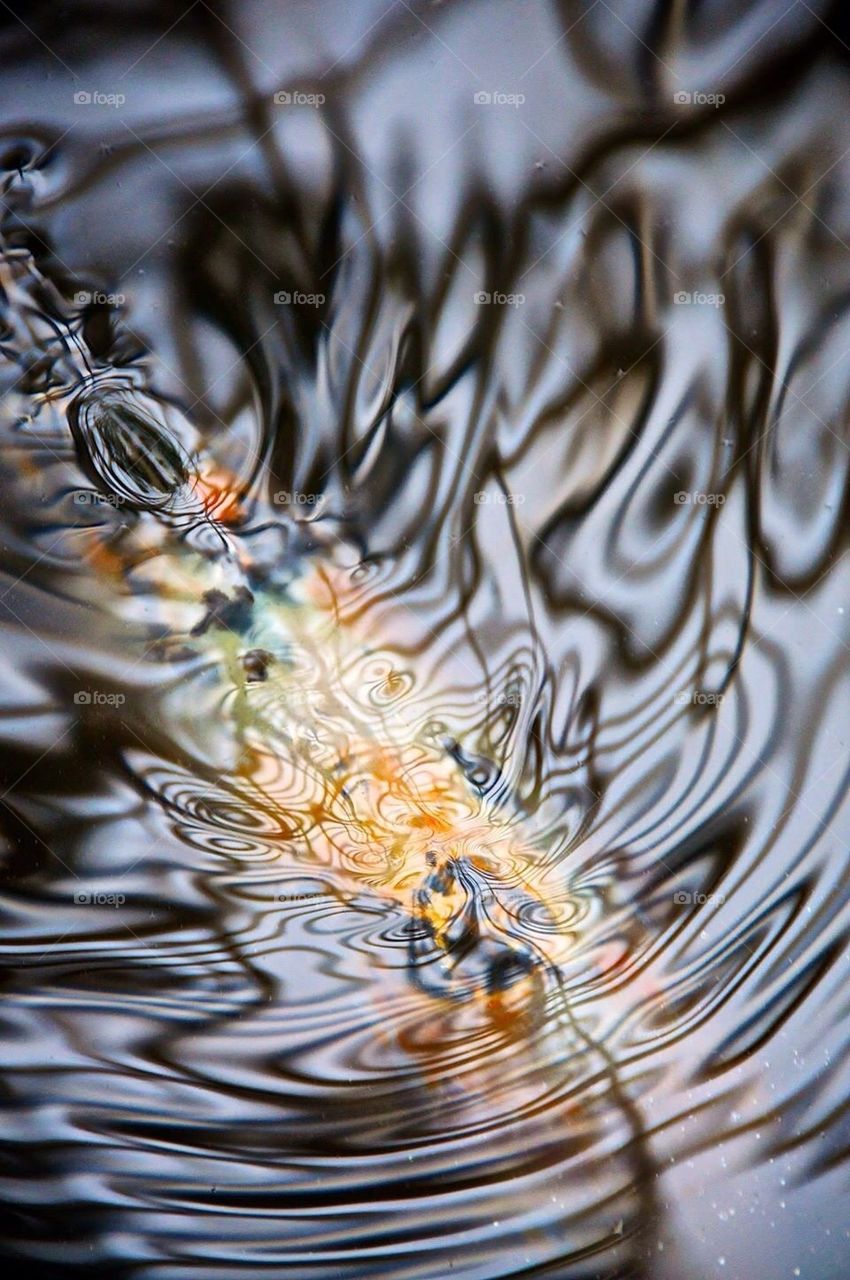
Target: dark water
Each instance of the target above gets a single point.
(424, 639)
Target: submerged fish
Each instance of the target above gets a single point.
(325, 723)
(327, 742)
(333, 740)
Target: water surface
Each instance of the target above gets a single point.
(425, 413)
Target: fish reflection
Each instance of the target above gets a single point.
(326, 748)
(342, 769)
(319, 732)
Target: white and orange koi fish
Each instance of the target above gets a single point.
(324, 719)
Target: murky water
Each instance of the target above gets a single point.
(424, 628)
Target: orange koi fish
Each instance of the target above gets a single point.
(327, 727)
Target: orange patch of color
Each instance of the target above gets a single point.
(217, 488)
(103, 559)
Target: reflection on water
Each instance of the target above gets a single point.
(424, 627)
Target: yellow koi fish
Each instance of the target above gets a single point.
(332, 744)
(326, 723)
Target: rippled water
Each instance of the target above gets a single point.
(424, 629)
